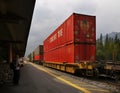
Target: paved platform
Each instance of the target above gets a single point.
(38, 79)
(33, 80)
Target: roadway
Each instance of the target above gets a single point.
(38, 79)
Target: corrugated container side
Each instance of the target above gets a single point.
(63, 34)
(36, 57)
(77, 28)
(62, 54)
(72, 53)
(38, 50)
(85, 52)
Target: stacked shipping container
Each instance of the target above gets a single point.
(38, 54)
(73, 41)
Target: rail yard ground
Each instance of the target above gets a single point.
(38, 79)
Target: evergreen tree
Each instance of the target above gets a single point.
(116, 48)
(106, 47)
(100, 49)
(109, 50)
(101, 42)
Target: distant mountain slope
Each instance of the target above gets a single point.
(112, 35)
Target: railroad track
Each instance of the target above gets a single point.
(103, 82)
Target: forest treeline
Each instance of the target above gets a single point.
(108, 49)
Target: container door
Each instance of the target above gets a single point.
(80, 53)
(84, 29)
(85, 52)
(91, 53)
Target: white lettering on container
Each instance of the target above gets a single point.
(60, 33)
(57, 35)
(54, 37)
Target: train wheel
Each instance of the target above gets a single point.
(116, 77)
(89, 72)
(96, 72)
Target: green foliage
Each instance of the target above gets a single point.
(108, 49)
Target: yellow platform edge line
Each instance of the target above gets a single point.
(67, 82)
(96, 89)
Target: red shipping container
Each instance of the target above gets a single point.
(73, 41)
(77, 28)
(36, 57)
(38, 53)
(72, 53)
(85, 52)
(84, 28)
(38, 50)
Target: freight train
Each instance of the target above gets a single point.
(37, 55)
(72, 48)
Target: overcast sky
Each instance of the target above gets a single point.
(49, 14)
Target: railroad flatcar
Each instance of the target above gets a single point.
(72, 46)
